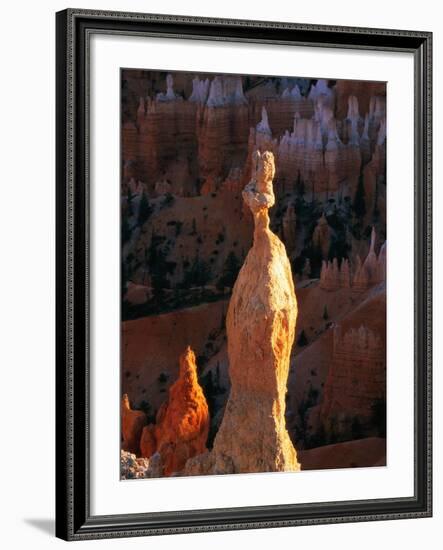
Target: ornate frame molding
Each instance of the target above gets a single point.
(74, 28)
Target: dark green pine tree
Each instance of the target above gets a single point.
(129, 197)
(375, 211)
(302, 339)
(359, 205)
(325, 313)
(199, 274)
(300, 186)
(230, 271)
(144, 209)
(126, 230)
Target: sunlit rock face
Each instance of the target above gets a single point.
(182, 423)
(260, 331)
(132, 426)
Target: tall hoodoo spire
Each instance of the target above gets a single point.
(260, 331)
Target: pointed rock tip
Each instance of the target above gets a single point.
(187, 359)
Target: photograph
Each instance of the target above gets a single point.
(253, 246)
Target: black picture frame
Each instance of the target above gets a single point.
(73, 518)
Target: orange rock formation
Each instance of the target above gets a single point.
(182, 423)
(132, 426)
(260, 330)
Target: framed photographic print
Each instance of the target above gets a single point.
(243, 274)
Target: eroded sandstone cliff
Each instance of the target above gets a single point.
(357, 377)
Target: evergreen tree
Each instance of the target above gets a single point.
(302, 339)
(300, 186)
(144, 209)
(125, 230)
(198, 275)
(158, 265)
(378, 410)
(178, 228)
(168, 200)
(356, 428)
(230, 271)
(375, 211)
(129, 197)
(315, 259)
(123, 279)
(359, 205)
(217, 375)
(325, 313)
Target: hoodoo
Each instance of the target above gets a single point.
(182, 424)
(260, 331)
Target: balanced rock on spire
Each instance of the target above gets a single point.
(260, 332)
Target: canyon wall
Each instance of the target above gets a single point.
(357, 376)
(203, 136)
(337, 383)
(189, 147)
